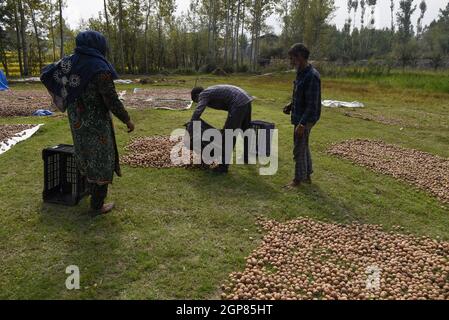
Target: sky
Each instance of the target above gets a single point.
(84, 9)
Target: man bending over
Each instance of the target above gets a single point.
(228, 98)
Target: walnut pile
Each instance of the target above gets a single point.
(152, 152)
(158, 98)
(423, 170)
(376, 118)
(23, 103)
(7, 131)
(307, 259)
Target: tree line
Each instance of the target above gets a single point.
(405, 41)
(147, 36)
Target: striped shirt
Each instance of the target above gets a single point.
(221, 97)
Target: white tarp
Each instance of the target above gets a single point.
(32, 79)
(188, 104)
(120, 81)
(19, 137)
(344, 104)
(121, 95)
(187, 107)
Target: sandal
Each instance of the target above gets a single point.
(104, 210)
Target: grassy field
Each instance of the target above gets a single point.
(178, 233)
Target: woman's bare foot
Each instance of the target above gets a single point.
(104, 210)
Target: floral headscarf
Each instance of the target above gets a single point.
(67, 78)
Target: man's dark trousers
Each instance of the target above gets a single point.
(302, 155)
(238, 118)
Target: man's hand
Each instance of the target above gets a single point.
(300, 130)
(288, 109)
(130, 126)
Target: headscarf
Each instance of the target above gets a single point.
(67, 78)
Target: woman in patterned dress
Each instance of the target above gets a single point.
(83, 85)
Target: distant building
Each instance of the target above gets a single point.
(269, 48)
(270, 39)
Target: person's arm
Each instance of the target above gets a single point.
(106, 87)
(202, 104)
(312, 97)
(294, 105)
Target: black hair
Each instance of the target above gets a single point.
(196, 92)
(298, 49)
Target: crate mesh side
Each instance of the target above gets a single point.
(72, 175)
(63, 182)
(53, 171)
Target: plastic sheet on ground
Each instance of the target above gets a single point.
(342, 104)
(187, 104)
(121, 81)
(19, 137)
(31, 79)
(162, 99)
(42, 113)
(121, 95)
(3, 81)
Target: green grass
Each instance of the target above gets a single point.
(434, 81)
(178, 233)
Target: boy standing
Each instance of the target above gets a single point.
(305, 110)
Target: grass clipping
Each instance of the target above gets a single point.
(307, 259)
(424, 170)
(153, 152)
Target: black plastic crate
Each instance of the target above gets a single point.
(63, 183)
(204, 126)
(250, 147)
(262, 125)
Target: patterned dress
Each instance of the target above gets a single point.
(93, 131)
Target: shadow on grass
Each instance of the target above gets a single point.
(310, 200)
(240, 181)
(331, 207)
(92, 244)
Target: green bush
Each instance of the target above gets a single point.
(277, 65)
(228, 69)
(372, 69)
(208, 68)
(185, 71)
(243, 68)
(164, 72)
